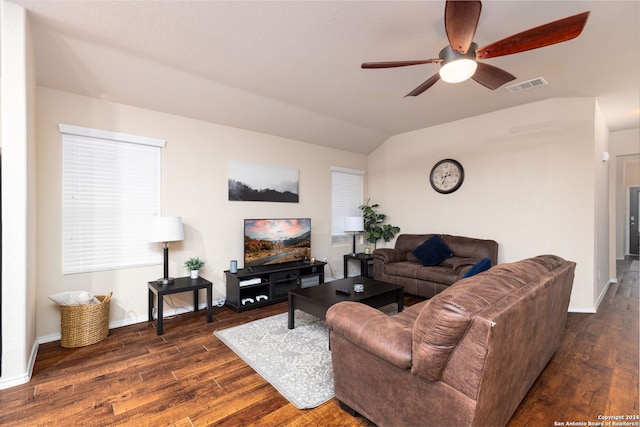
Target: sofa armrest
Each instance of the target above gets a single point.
(373, 331)
(388, 255)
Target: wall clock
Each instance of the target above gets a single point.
(446, 176)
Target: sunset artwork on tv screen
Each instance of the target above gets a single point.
(276, 241)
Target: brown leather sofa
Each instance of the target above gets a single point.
(399, 266)
(466, 357)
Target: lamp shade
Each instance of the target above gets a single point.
(353, 223)
(166, 229)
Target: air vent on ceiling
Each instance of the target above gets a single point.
(529, 84)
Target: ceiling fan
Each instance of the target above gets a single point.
(459, 60)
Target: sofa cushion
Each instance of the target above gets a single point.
(408, 242)
(472, 247)
(433, 251)
(460, 263)
(403, 269)
(438, 274)
(483, 265)
(449, 262)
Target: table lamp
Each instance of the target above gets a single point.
(166, 229)
(354, 224)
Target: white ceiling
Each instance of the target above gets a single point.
(292, 68)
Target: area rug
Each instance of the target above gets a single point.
(297, 362)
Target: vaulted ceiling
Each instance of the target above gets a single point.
(292, 68)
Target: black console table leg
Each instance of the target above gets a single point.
(150, 305)
(292, 310)
(209, 304)
(160, 314)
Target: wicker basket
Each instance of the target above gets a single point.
(85, 324)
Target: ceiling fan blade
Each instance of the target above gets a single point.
(554, 32)
(424, 86)
(460, 22)
(491, 77)
(393, 64)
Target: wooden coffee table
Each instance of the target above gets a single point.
(316, 300)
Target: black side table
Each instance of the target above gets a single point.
(181, 284)
(364, 259)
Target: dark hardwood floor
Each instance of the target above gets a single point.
(187, 377)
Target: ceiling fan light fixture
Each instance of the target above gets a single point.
(458, 67)
(458, 71)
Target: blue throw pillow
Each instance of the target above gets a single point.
(432, 252)
(480, 266)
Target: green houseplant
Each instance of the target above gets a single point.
(194, 264)
(374, 226)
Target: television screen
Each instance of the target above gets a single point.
(275, 241)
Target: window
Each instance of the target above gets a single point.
(346, 199)
(110, 188)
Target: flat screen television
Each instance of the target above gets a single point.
(276, 241)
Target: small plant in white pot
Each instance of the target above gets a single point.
(194, 264)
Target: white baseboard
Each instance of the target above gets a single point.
(32, 356)
(588, 310)
(602, 294)
(12, 382)
(25, 377)
(594, 309)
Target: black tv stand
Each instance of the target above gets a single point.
(269, 284)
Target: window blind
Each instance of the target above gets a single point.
(346, 199)
(110, 189)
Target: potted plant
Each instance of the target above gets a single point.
(194, 264)
(374, 226)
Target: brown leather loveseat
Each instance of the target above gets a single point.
(399, 266)
(466, 357)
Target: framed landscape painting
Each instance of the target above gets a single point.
(262, 183)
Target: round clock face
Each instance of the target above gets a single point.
(446, 176)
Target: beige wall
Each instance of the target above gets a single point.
(601, 274)
(529, 184)
(19, 345)
(194, 186)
